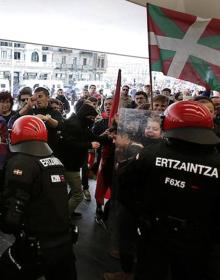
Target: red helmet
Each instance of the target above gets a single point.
(29, 135)
(189, 121)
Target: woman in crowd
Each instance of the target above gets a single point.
(6, 104)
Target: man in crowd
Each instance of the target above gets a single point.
(125, 99)
(160, 103)
(140, 99)
(66, 106)
(167, 92)
(38, 105)
(23, 96)
(147, 90)
(77, 139)
(105, 154)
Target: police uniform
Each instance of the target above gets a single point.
(173, 186)
(35, 203)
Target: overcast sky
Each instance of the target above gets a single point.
(113, 26)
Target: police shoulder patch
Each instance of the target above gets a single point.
(51, 161)
(57, 178)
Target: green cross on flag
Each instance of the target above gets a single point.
(184, 46)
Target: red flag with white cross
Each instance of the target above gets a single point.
(184, 46)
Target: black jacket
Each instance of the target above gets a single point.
(66, 105)
(35, 198)
(76, 139)
(52, 132)
(174, 180)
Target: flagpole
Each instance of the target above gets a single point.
(149, 51)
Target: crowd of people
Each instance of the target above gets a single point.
(156, 167)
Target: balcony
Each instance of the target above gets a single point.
(86, 53)
(10, 62)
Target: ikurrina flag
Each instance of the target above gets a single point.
(184, 46)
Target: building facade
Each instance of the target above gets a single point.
(21, 61)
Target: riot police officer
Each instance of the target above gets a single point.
(173, 187)
(35, 208)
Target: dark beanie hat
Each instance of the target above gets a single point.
(86, 110)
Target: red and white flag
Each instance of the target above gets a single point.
(184, 46)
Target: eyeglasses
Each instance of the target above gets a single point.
(125, 89)
(24, 99)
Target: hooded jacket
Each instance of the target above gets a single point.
(66, 105)
(77, 138)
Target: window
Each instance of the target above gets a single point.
(44, 76)
(19, 45)
(45, 48)
(63, 60)
(6, 75)
(17, 55)
(44, 57)
(74, 60)
(98, 62)
(3, 54)
(16, 45)
(84, 61)
(5, 44)
(32, 75)
(35, 57)
(102, 63)
(58, 75)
